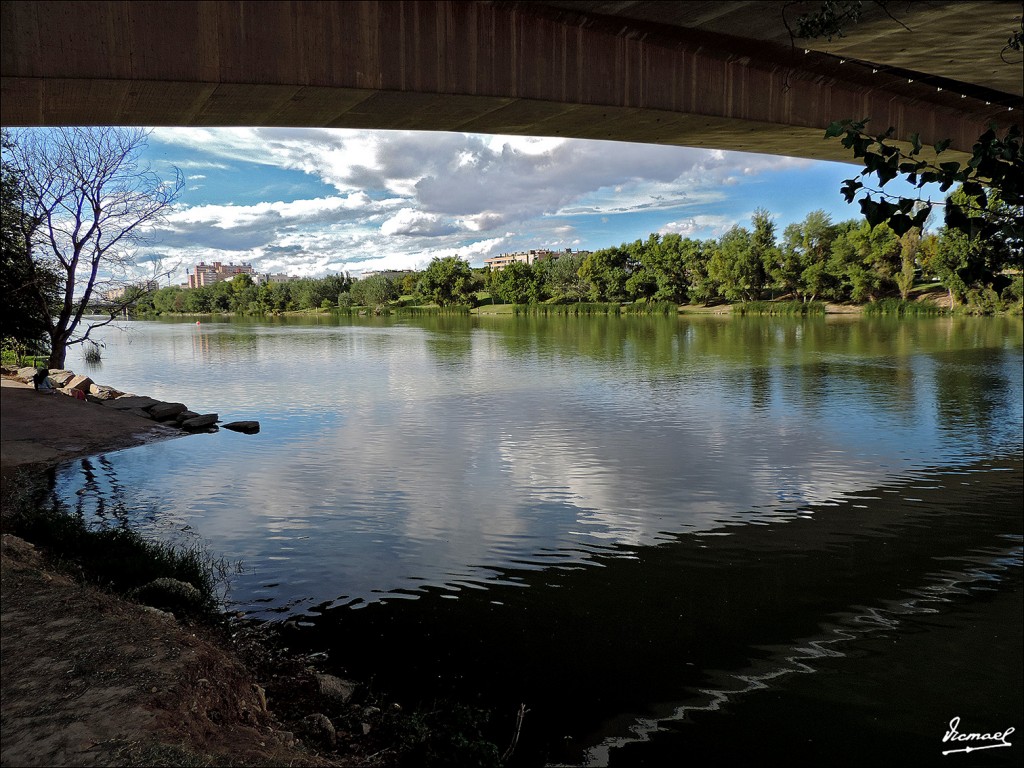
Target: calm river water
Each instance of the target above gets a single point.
(718, 540)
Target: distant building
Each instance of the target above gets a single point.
(526, 257)
(116, 294)
(391, 274)
(278, 278)
(208, 274)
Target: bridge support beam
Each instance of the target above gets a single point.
(453, 66)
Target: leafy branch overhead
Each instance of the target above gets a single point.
(990, 202)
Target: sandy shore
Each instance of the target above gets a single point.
(46, 429)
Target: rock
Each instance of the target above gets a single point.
(156, 612)
(60, 378)
(82, 383)
(200, 422)
(166, 411)
(319, 728)
(25, 375)
(103, 393)
(185, 416)
(75, 393)
(170, 595)
(261, 697)
(131, 401)
(335, 688)
(284, 738)
(139, 412)
(248, 427)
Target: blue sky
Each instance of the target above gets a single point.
(311, 202)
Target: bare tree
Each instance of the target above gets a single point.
(89, 201)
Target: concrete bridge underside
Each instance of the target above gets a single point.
(647, 72)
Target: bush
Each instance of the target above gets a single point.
(780, 308)
(902, 308)
(651, 308)
(580, 308)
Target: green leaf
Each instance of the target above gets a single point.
(849, 189)
(900, 224)
(942, 146)
(835, 129)
(915, 140)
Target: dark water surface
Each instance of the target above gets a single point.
(718, 541)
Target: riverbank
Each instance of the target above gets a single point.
(91, 678)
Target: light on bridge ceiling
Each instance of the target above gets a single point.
(842, 61)
(910, 79)
(874, 71)
(807, 50)
(939, 88)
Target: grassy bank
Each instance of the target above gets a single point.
(186, 581)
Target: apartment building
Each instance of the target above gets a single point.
(526, 257)
(208, 274)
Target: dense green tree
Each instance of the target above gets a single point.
(735, 266)
(910, 246)
(373, 291)
(447, 281)
(664, 260)
(763, 246)
(865, 262)
(23, 322)
(516, 283)
(806, 247)
(560, 278)
(607, 272)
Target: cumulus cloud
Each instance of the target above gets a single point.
(394, 199)
(409, 221)
(700, 226)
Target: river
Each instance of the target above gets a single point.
(720, 539)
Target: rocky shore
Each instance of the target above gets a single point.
(84, 388)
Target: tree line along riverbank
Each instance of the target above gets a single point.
(815, 260)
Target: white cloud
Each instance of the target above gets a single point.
(394, 199)
(700, 226)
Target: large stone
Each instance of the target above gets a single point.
(103, 393)
(167, 411)
(248, 427)
(172, 595)
(132, 401)
(82, 383)
(319, 728)
(60, 378)
(75, 393)
(335, 688)
(26, 374)
(185, 416)
(200, 422)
